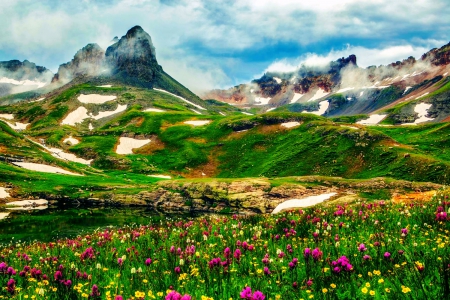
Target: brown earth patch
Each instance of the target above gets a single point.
(392, 143)
(446, 119)
(265, 129)
(154, 145)
(413, 197)
(2, 149)
(259, 147)
(136, 121)
(210, 169)
(196, 140)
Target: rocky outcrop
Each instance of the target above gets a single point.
(134, 56)
(88, 61)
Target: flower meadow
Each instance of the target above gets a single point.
(362, 250)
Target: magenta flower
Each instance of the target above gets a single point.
(11, 286)
(148, 261)
(246, 293)
(387, 255)
(177, 270)
(317, 254)
(237, 254)
(362, 248)
(267, 271)
(441, 216)
(307, 253)
(258, 296)
(366, 257)
(120, 261)
(118, 297)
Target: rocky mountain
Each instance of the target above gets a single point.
(134, 56)
(343, 89)
(17, 76)
(90, 60)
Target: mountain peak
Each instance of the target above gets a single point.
(134, 56)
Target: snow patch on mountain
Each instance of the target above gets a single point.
(296, 97)
(319, 94)
(126, 145)
(185, 100)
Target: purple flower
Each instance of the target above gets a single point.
(366, 257)
(307, 253)
(11, 286)
(267, 271)
(148, 261)
(58, 276)
(258, 296)
(177, 270)
(95, 292)
(387, 255)
(246, 293)
(317, 254)
(362, 248)
(118, 297)
(404, 231)
(237, 254)
(227, 252)
(120, 261)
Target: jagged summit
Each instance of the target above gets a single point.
(18, 70)
(134, 56)
(87, 61)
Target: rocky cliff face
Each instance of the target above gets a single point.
(90, 61)
(278, 85)
(134, 56)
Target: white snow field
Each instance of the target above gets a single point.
(304, 202)
(126, 145)
(95, 98)
(323, 106)
(290, 124)
(197, 122)
(372, 120)
(44, 168)
(319, 94)
(185, 100)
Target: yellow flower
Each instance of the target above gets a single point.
(367, 284)
(387, 290)
(405, 289)
(207, 298)
(372, 293)
(159, 294)
(364, 290)
(324, 290)
(139, 294)
(277, 297)
(381, 280)
(145, 281)
(333, 286)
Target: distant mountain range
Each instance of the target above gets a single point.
(408, 91)
(342, 88)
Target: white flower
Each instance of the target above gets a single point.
(133, 270)
(181, 262)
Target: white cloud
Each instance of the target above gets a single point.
(49, 32)
(365, 56)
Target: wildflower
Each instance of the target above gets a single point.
(362, 248)
(364, 290)
(148, 261)
(333, 286)
(317, 254)
(177, 270)
(387, 255)
(372, 293)
(11, 286)
(324, 290)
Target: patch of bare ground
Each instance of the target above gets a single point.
(413, 197)
(154, 145)
(210, 169)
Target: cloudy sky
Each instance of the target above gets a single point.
(212, 44)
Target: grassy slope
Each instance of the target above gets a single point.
(318, 147)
